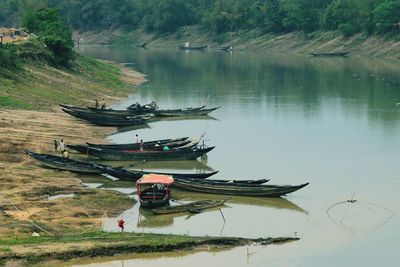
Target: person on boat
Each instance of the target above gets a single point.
(103, 104)
(137, 139)
(166, 148)
(55, 143)
(96, 103)
(157, 144)
(141, 145)
(153, 105)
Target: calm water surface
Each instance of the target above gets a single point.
(332, 122)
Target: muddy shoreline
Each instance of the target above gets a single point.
(126, 245)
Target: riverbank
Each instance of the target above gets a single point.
(30, 118)
(38, 250)
(295, 42)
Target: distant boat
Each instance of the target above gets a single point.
(225, 48)
(143, 45)
(329, 54)
(198, 47)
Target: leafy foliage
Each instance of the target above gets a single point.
(50, 27)
(218, 16)
(9, 57)
(387, 15)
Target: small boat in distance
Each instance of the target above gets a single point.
(187, 46)
(154, 190)
(329, 54)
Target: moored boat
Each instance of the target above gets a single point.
(93, 112)
(154, 190)
(66, 164)
(221, 189)
(171, 143)
(109, 120)
(120, 155)
(329, 54)
(192, 207)
(194, 47)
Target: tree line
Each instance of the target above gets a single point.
(220, 16)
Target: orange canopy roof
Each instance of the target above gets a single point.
(156, 179)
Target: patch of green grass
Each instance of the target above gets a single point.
(12, 102)
(5, 249)
(140, 239)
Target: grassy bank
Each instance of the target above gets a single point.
(94, 244)
(295, 42)
(38, 85)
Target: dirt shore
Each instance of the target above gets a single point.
(25, 186)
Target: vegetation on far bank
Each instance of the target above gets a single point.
(221, 16)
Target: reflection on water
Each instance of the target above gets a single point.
(143, 220)
(332, 122)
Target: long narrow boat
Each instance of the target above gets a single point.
(181, 145)
(66, 164)
(173, 154)
(245, 183)
(117, 121)
(195, 47)
(258, 191)
(329, 54)
(183, 112)
(202, 175)
(193, 207)
(146, 145)
(197, 111)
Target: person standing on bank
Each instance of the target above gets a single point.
(103, 104)
(55, 143)
(63, 150)
(137, 139)
(96, 103)
(141, 145)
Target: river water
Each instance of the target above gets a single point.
(333, 122)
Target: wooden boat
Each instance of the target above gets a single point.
(225, 48)
(245, 183)
(193, 207)
(181, 145)
(196, 47)
(154, 190)
(115, 113)
(66, 164)
(202, 175)
(107, 120)
(258, 191)
(184, 112)
(329, 54)
(117, 155)
(171, 143)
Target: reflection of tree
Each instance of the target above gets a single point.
(364, 86)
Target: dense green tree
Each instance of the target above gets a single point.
(217, 16)
(387, 15)
(50, 27)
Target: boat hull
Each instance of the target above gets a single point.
(259, 191)
(116, 155)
